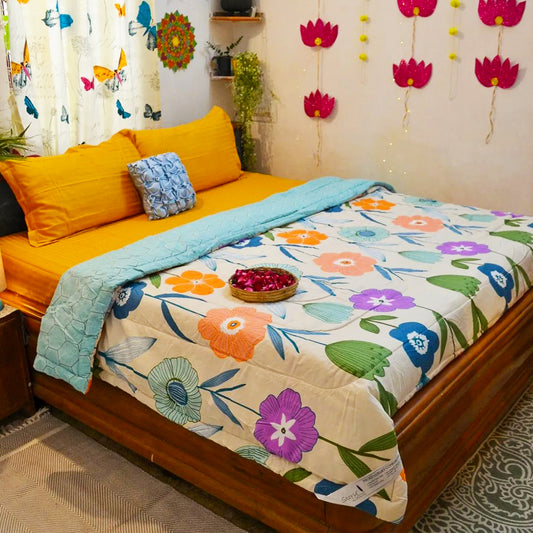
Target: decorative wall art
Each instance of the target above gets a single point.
(497, 72)
(410, 73)
(318, 105)
(175, 41)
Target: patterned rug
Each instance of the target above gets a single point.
(493, 493)
(55, 479)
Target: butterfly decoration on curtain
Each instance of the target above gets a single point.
(144, 23)
(150, 113)
(64, 115)
(88, 84)
(21, 72)
(121, 10)
(112, 79)
(30, 108)
(53, 17)
(121, 111)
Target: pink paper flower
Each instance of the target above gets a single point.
(417, 8)
(411, 74)
(319, 34)
(500, 12)
(495, 73)
(317, 105)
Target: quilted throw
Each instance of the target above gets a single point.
(391, 289)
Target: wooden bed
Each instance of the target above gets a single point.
(438, 429)
(469, 398)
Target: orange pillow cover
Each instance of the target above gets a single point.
(87, 186)
(205, 146)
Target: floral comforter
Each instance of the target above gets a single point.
(392, 288)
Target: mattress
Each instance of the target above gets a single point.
(32, 273)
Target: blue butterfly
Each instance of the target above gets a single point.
(64, 115)
(144, 21)
(149, 113)
(121, 111)
(53, 16)
(30, 108)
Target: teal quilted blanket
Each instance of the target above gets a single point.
(72, 324)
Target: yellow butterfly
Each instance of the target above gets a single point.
(121, 10)
(22, 71)
(112, 78)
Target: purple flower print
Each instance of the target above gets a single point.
(463, 248)
(285, 427)
(381, 300)
(506, 214)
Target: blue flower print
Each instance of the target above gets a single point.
(128, 298)
(363, 234)
(254, 242)
(501, 281)
(334, 209)
(419, 343)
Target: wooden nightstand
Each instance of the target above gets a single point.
(15, 387)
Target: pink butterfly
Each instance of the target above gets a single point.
(87, 84)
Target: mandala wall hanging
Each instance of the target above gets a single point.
(497, 73)
(410, 73)
(175, 41)
(318, 105)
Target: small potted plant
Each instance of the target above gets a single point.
(12, 145)
(222, 58)
(247, 95)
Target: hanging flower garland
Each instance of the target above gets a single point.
(497, 73)
(363, 39)
(317, 105)
(175, 41)
(410, 73)
(453, 31)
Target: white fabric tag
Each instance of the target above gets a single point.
(360, 490)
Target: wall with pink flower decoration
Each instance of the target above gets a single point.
(433, 143)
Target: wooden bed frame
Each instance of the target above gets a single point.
(438, 430)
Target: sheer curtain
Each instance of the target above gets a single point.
(82, 69)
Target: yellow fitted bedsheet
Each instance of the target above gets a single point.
(32, 273)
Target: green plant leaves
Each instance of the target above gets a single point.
(387, 400)
(466, 285)
(522, 237)
(359, 358)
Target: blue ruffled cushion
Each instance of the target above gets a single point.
(163, 184)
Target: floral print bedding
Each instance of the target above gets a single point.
(391, 289)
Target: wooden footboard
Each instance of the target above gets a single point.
(438, 430)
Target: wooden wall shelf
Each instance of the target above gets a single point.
(221, 16)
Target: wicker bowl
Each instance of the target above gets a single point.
(265, 296)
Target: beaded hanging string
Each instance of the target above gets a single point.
(318, 105)
(497, 73)
(411, 73)
(363, 39)
(453, 55)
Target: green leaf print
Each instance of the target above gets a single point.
(463, 263)
(383, 442)
(155, 279)
(355, 464)
(522, 237)
(466, 285)
(359, 358)
(368, 325)
(296, 474)
(254, 453)
(387, 400)
(331, 313)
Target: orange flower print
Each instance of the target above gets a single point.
(372, 204)
(419, 223)
(195, 282)
(302, 236)
(234, 332)
(347, 263)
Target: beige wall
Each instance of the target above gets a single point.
(443, 154)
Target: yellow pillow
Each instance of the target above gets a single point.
(205, 146)
(85, 187)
